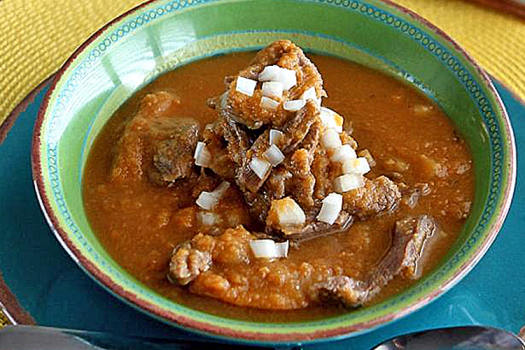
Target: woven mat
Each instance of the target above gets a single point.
(37, 36)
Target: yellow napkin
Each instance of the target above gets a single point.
(38, 36)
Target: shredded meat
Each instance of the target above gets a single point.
(246, 109)
(410, 236)
(289, 286)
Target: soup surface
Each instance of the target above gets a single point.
(141, 215)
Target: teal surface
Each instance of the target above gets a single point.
(57, 293)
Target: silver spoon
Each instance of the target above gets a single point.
(44, 338)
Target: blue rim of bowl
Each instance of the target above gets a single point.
(188, 323)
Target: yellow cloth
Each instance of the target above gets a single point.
(37, 36)
(3, 320)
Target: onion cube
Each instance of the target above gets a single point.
(207, 200)
(294, 105)
(266, 248)
(288, 79)
(272, 89)
(260, 167)
(207, 219)
(331, 139)
(343, 153)
(311, 94)
(274, 155)
(221, 189)
(288, 212)
(268, 103)
(282, 75)
(332, 205)
(202, 155)
(331, 119)
(270, 73)
(245, 86)
(356, 166)
(275, 136)
(347, 182)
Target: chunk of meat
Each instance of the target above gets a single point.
(173, 158)
(193, 257)
(237, 277)
(240, 139)
(187, 263)
(154, 142)
(247, 109)
(410, 236)
(378, 196)
(277, 285)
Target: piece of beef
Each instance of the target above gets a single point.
(315, 229)
(237, 140)
(302, 183)
(235, 276)
(191, 258)
(173, 158)
(222, 267)
(188, 262)
(223, 156)
(410, 235)
(295, 131)
(154, 142)
(378, 196)
(246, 109)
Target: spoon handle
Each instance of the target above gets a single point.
(44, 338)
(459, 338)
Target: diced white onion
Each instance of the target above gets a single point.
(343, 153)
(331, 119)
(356, 166)
(207, 219)
(272, 89)
(331, 139)
(245, 86)
(274, 155)
(282, 75)
(288, 212)
(270, 73)
(275, 136)
(260, 167)
(332, 205)
(348, 182)
(266, 248)
(311, 94)
(294, 105)
(268, 103)
(288, 79)
(202, 155)
(207, 200)
(221, 189)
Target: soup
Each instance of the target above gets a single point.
(259, 201)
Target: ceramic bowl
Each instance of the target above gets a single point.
(159, 36)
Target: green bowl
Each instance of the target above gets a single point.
(159, 36)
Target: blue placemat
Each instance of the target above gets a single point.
(55, 291)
